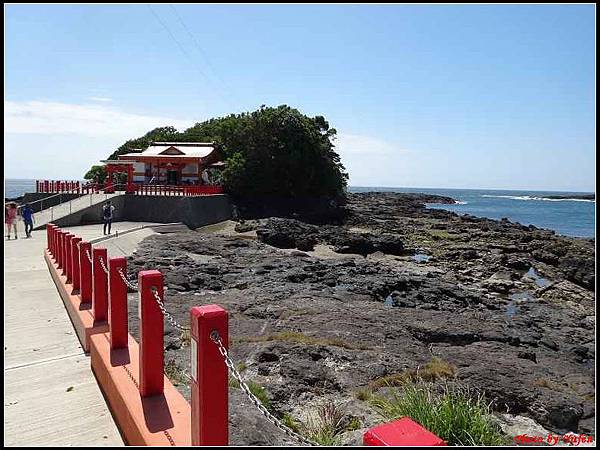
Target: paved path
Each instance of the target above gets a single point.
(51, 397)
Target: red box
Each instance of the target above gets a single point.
(401, 432)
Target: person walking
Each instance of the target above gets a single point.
(28, 219)
(107, 215)
(10, 218)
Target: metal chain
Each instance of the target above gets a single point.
(167, 314)
(129, 284)
(103, 266)
(87, 253)
(270, 417)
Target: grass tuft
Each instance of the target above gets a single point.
(325, 426)
(260, 393)
(301, 338)
(175, 373)
(454, 414)
(435, 369)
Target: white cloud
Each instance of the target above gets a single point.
(100, 99)
(55, 118)
(352, 144)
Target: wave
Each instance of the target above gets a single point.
(544, 199)
(460, 202)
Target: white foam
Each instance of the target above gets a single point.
(544, 199)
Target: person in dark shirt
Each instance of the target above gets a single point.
(27, 214)
(107, 215)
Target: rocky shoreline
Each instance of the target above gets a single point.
(322, 311)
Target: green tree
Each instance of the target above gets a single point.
(271, 151)
(96, 173)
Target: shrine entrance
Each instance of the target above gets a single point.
(114, 167)
(172, 177)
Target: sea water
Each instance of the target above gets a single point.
(570, 217)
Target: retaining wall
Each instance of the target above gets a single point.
(192, 211)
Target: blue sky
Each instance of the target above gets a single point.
(422, 96)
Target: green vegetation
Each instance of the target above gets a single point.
(435, 369)
(290, 336)
(290, 422)
(454, 414)
(271, 151)
(325, 426)
(175, 373)
(441, 234)
(260, 393)
(96, 173)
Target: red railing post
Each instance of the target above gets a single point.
(117, 303)
(151, 333)
(75, 262)
(49, 237)
(209, 376)
(100, 286)
(68, 257)
(59, 249)
(85, 272)
(53, 231)
(63, 252)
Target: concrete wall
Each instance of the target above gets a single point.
(52, 201)
(192, 211)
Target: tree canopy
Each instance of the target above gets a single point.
(274, 151)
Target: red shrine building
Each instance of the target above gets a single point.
(170, 163)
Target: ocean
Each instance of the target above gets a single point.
(567, 217)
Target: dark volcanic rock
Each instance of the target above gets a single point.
(309, 327)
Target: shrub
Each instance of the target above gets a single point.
(454, 414)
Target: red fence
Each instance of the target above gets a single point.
(102, 291)
(76, 187)
(157, 189)
(71, 187)
(147, 407)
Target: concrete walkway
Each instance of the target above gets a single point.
(51, 397)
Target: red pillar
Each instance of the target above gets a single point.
(117, 303)
(151, 333)
(49, 237)
(85, 272)
(100, 285)
(68, 257)
(209, 376)
(59, 250)
(129, 178)
(75, 274)
(53, 231)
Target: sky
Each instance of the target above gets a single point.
(447, 96)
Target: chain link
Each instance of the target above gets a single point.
(270, 417)
(167, 314)
(89, 257)
(103, 266)
(128, 283)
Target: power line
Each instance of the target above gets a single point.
(186, 54)
(200, 49)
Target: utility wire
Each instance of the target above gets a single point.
(200, 49)
(186, 54)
